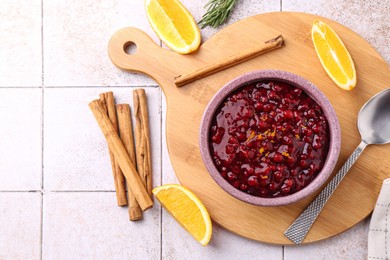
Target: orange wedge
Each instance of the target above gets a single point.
(333, 55)
(173, 24)
(187, 209)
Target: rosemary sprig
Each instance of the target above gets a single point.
(217, 12)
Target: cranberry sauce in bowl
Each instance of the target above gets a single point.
(270, 138)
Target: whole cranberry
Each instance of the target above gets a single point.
(278, 176)
(231, 176)
(278, 157)
(252, 181)
(288, 114)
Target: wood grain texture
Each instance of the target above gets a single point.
(355, 197)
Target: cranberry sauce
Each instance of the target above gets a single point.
(269, 139)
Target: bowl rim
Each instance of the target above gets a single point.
(299, 82)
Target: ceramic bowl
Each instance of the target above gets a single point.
(314, 93)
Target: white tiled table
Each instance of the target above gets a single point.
(56, 189)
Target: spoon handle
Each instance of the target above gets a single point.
(301, 226)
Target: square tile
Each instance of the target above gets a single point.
(352, 244)
(20, 43)
(370, 19)
(76, 35)
(75, 152)
(89, 225)
(20, 225)
(21, 139)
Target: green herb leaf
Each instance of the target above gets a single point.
(217, 12)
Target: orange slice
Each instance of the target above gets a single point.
(173, 24)
(187, 209)
(333, 55)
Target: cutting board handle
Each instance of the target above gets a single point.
(148, 58)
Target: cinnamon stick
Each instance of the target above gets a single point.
(119, 179)
(121, 157)
(126, 135)
(142, 137)
(108, 103)
(104, 105)
(269, 45)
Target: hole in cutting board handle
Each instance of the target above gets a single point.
(130, 48)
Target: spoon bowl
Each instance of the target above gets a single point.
(374, 119)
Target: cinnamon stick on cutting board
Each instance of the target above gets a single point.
(217, 66)
(126, 135)
(121, 157)
(142, 136)
(108, 102)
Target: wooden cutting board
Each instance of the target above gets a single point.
(353, 200)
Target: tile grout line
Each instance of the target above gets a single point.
(55, 191)
(79, 191)
(20, 191)
(42, 191)
(161, 165)
(42, 131)
(20, 87)
(41, 234)
(42, 163)
(161, 236)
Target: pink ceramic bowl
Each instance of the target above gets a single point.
(314, 93)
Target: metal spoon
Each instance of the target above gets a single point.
(374, 128)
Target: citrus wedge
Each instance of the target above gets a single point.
(173, 24)
(187, 209)
(333, 55)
